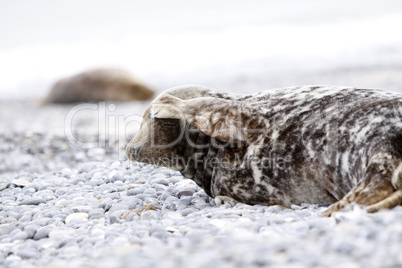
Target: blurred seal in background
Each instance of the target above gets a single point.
(102, 84)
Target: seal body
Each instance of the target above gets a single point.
(309, 144)
(101, 84)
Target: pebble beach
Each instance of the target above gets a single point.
(62, 205)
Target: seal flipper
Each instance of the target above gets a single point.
(393, 199)
(375, 191)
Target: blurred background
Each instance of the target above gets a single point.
(237, 46)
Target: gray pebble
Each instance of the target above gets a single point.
(61, 234)
(149, 215)
(77, 217)
(31, 230)
(25, 218)
(66, 172)
(32, 201)
(158, 232)
(187, 211)
(20, 236)
(135, 191)
(96, 217)
(4, 185)
(134, 203)
(106, 203)
(150, 191)
(29, 191)
(162, 181)
(132, 217)
(93, 212)
(6, 228)
(85, 209)
(21, 182)
(42, 232)
(112, 219)
(86, 167)
(28, 253)
(8, 220)
(165, 195)
(118, 206)
(185, 201)
(185, 192)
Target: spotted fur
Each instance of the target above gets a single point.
(309, 144)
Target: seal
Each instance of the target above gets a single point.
(308, 144)
(103, 84)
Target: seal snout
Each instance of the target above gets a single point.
(133, 153)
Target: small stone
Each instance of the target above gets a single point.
(295, 207)
(31, 253)
(8, 220)
(162, 181)
(106, 203)
(88, 166)
(134, 203)
(64, 202)
(97, 176)
(204, 206)
(171, 206)
(141, 180)
(13, 258)
(31, 230)
(58, 234)
(229, 212)
(25, 218)
(85, 209)
(20, 236)
(185, 192)
(275, 208)
(187, 211)
(77, 216)
(113, 219)
(172, 215)
(135, 191)
(96, 217)
(33, 201)
(165, 195)
(97, 211)
(185, 201)
(199, 203)
(71, 251)
(21, 182)
(158, 231)
(152, 202)
(150, 191)
(66, 172)
(4, 185)
(133, 216)
(5, 229)
(42, 232)
(98, 232)
(117, 207)
(149, 215)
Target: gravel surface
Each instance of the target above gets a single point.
(66, 206)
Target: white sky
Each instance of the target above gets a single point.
(43, 40)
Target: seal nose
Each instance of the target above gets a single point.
(133, 153)
(137, 151)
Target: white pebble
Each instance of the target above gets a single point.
(77, 216)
